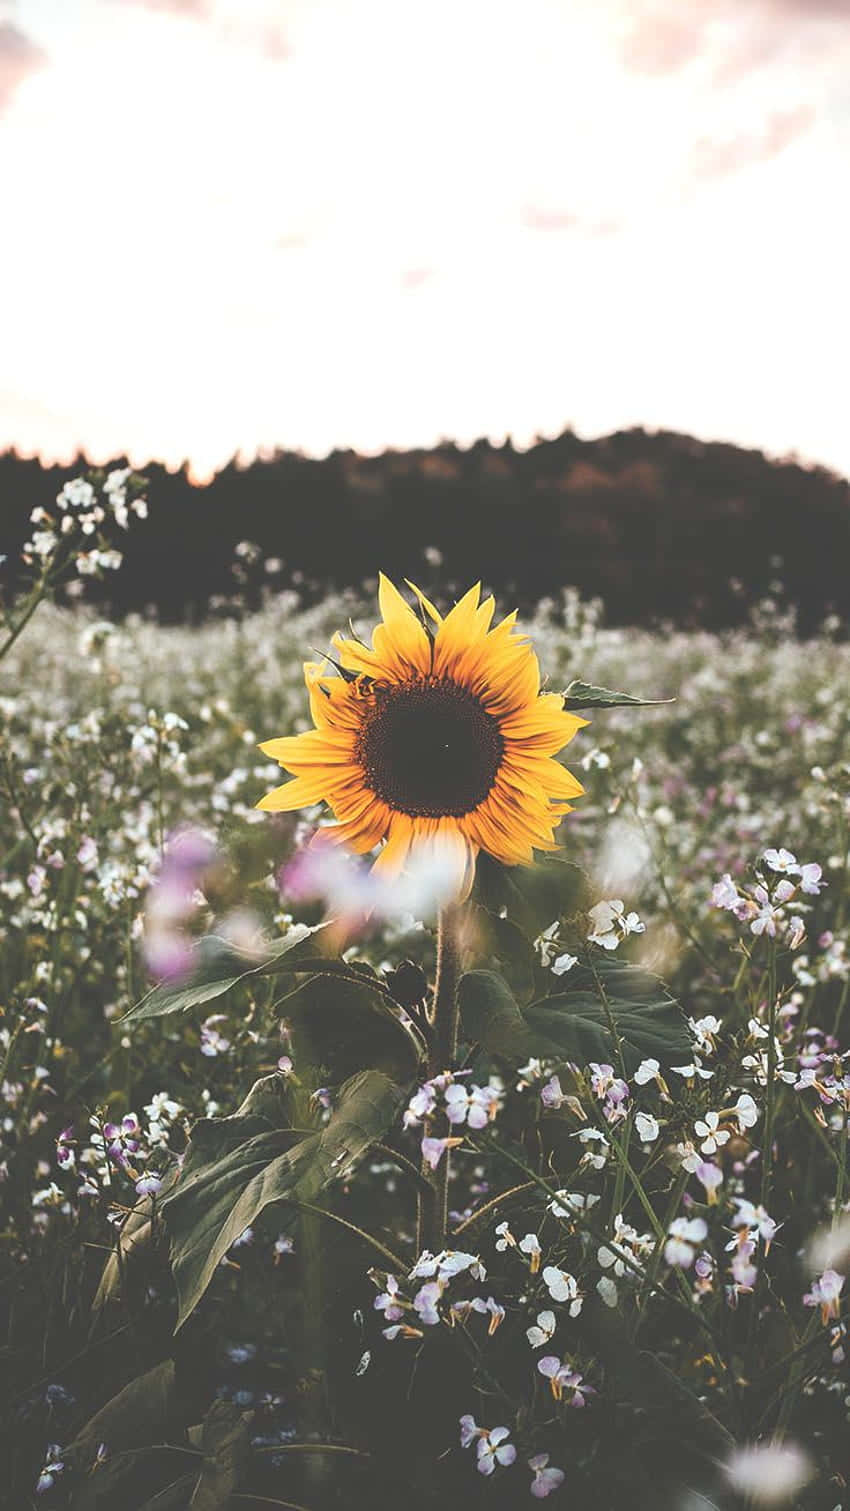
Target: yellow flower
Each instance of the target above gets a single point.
(436, 733)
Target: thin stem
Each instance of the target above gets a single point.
(33, 602)
(358, 1453)
(793, 1385)
(841, 1175)
(446, 1011)
(770, 1100)
(491, 1206)
(434, 1198)
(397, 1265)
(609, 1017)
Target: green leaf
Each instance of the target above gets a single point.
(487, 938)
(344, 1023)
(217, 966)
(141, 1413)
(674, 1417)
(533, 896)
(225, 1445)
(140, 1479)
(266, 1103)
(491, 1016)
(573, 1024)
(236, 1167)
(581, 695)
(135, 1238)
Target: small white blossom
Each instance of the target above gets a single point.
(646, 1127)
(542, 1331)
(712, 1135)
(563, 1287)
(685, 1233)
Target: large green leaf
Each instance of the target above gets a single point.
(489, 939)
(236, 1167)
(143, 1412)
(674, 1419)
(573, 1024)
(345, 1022)
(119, 1274)
(533, 896)
(225, 1445)
(581, 695)
(217, 966)
(139, 1479)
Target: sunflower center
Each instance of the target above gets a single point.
(429, 749)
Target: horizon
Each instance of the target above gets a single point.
(268, 455)
(612, 216)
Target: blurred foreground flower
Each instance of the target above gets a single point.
(356, 894)
(771, 1474)
(171, 902)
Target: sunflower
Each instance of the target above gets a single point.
(436, 733)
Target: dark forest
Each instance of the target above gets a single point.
(663, 527)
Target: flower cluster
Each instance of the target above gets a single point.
(84, 510)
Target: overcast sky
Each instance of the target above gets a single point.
(234, 224)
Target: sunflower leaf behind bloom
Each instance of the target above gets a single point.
(215, 966)
(532, 897)
(582, 695)
(342, 1025)
(428, 738)
(572, 1025)
(487, 939)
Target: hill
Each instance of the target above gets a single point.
(662, 526)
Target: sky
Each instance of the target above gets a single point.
(231, 225)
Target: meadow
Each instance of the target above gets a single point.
(640, 1297)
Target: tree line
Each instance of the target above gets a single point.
(663, 527)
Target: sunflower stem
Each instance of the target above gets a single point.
(434, 1195)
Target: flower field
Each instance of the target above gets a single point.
(589, 1245)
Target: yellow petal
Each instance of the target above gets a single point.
(391, 860)
(301, 792)
(400, 642)
(315, 747)
(425, 602)
(457, 631)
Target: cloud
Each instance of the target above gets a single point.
(813, 10)
(176, 7)
(663, 42)
(413, 278)
(19, 57)
(275, 45)
(712, 158)
(538, 217)
(542, 218)
(291, 241)
(664, 38)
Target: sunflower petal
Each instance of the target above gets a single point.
(400, 641)
(425, 602)
(391, 860)
(301, 792)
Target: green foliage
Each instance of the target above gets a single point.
(236, 1167)
(155, 1477)
(139, 1479)
(224, 1442)
(135, 1240)
(344, 1022)
(489, 939)
(579, 695)
(533, 896)
(575, 1024)
(218, 966)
